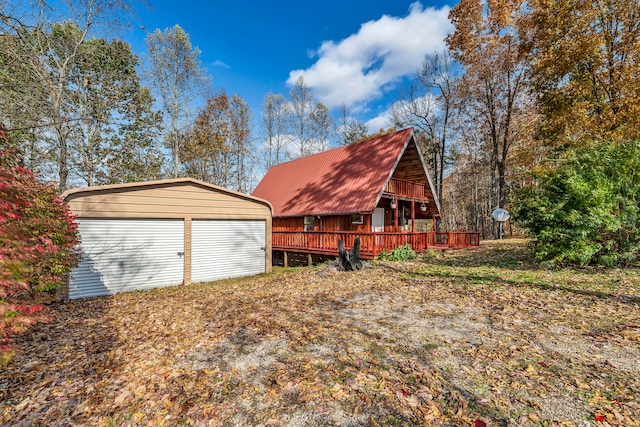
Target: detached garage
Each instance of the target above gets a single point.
(166, 233)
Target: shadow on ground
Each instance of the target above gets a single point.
(60, 366)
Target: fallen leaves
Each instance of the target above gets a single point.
(455, 339)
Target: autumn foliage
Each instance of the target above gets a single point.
(37, 249)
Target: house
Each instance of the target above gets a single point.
(374, 189)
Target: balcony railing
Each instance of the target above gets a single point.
(405, 188)
(371, 244)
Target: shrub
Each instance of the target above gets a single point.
(400, 253)
(586, 210)
(37, 249)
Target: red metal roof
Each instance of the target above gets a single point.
(344, 180)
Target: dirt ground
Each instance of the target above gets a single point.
(462, 338)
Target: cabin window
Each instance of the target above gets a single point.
(309, 223)
(357, 219)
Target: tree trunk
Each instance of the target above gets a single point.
(63, 166)
(349, 261)
(502, 184)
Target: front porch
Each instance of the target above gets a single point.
(371, 244)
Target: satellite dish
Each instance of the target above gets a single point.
(501, 215)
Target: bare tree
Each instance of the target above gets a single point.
(350, 129)
(467, 192)
(301, 101)
(428, 106)
(241, 118)
(176, 78)
(274, 128)
(322, 125)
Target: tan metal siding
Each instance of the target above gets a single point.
(169, 202)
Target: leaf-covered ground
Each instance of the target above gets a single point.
(449, 339)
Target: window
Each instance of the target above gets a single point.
(357, 219)
(309, 223)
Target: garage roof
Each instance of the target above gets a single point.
(114, 188)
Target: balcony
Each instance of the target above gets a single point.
(399, 187)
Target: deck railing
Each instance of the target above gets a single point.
(405, 188)
(371, 244)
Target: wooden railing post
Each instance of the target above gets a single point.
(375, 240)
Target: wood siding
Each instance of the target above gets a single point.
(288, 224)
(410, 166)
(324, 223)
(342, 223)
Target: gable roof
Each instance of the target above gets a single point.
(344, 180)
(130, 186)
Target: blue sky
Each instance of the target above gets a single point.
(353, 52)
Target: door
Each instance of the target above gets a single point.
(377, 223)
(221, 249)
(121, 255)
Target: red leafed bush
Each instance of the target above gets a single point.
(37, 249)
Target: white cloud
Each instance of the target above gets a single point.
(363, 66)
(219, 63)
(381, 121)
(424, 105)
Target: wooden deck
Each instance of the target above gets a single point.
(371, 244)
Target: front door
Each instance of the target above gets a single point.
(377, 224)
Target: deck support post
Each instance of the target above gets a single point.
(413, 216)
(309, 259)
(286, 261)
(395, 216)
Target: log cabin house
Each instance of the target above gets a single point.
(374, 189)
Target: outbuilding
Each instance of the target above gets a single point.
(164, 233)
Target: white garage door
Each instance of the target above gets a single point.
(121, 255)
(226, 248)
